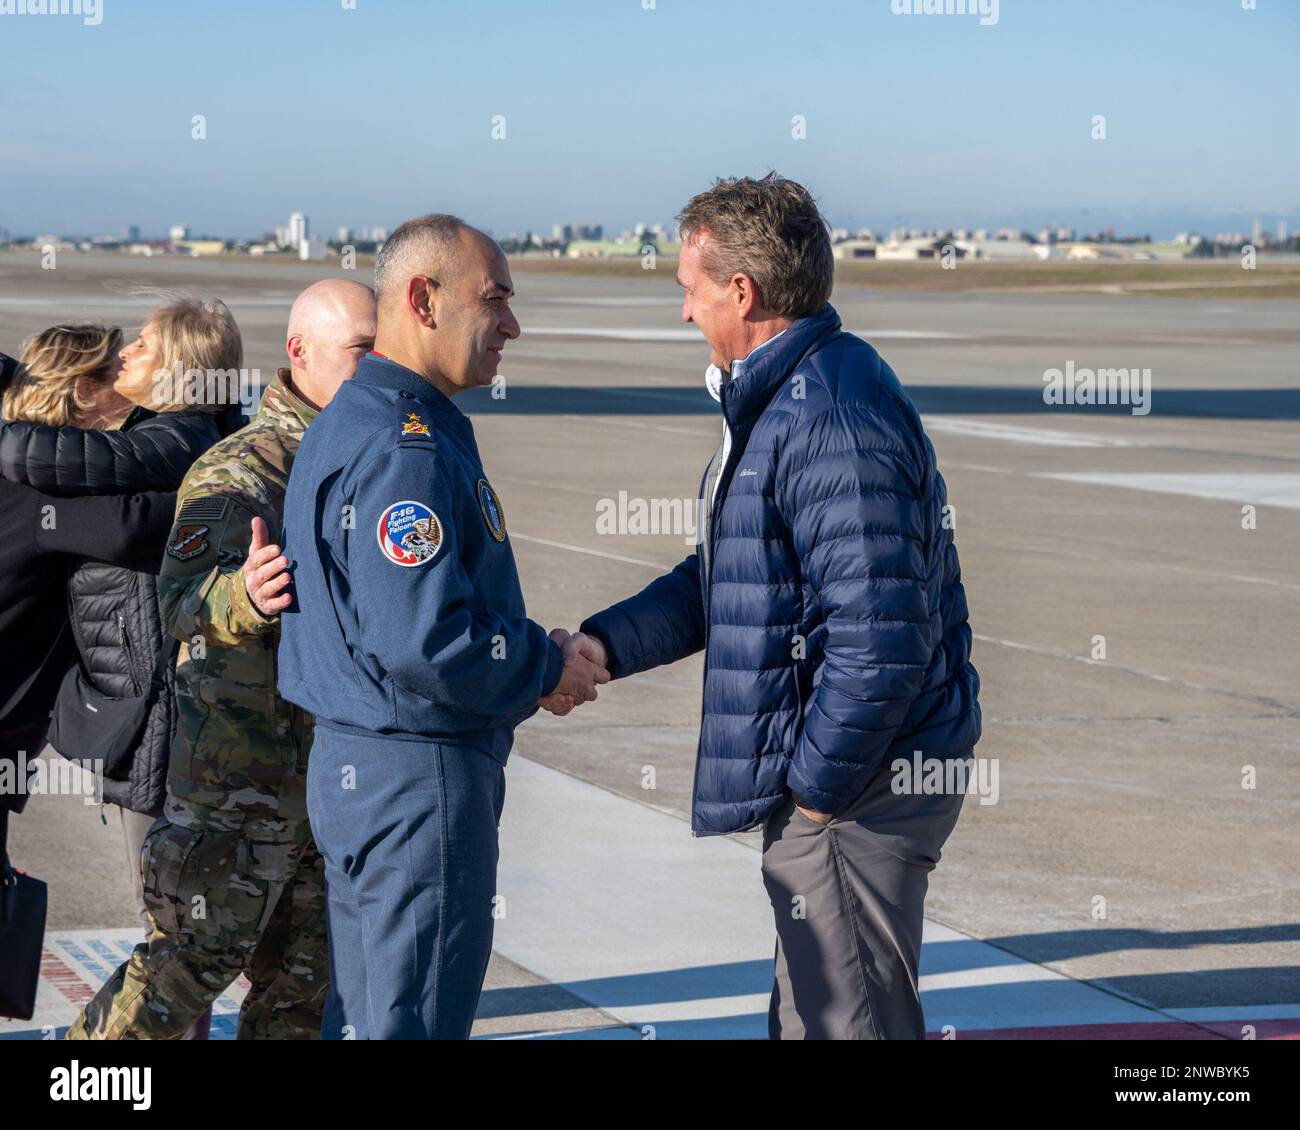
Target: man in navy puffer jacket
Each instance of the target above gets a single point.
(827, 595)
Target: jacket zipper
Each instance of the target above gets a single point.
(130, 654)
(713, 524)
(715, 506)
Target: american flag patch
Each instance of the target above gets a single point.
(210, 508)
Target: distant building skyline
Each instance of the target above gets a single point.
(1163, 116)
(293, 234)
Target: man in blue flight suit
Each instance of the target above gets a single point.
(409, 642)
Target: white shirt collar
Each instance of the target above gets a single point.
(715, 378)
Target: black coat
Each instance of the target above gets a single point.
(40, 536)
(113, 607)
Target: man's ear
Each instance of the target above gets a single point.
(422, 301)
(745, 294)
(296, 350)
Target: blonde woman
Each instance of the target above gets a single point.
(67, 379)
(166, 422)
(66, 376)
(71, 381)
(116, 705)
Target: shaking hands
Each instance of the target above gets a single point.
(584, 669)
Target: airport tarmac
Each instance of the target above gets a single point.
(1143, 843)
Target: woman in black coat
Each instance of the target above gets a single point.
(40, 535)
(34, 558)
(121, 651)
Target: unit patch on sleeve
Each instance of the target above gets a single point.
(188, 540)
(409, 534)
(493, 514)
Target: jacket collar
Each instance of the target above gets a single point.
(137, 415)
(283, 408)
(715, 378)
(748, 392)
(227, 421)
(378, 370)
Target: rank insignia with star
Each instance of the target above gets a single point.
(414, 426)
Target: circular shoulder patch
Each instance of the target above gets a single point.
(409, 534)
(493, 515)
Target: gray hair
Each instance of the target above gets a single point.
(427, 244)
(770, 230)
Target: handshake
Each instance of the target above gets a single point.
(584, 668)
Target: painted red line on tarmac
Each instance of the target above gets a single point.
(1154, 1030)
(64, 979)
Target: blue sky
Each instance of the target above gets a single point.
(616, 113)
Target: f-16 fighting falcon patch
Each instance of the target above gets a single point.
(409, 534)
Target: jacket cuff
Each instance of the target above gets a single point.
(246, 617)
(591, 627)
(554, 668)
(810, 796)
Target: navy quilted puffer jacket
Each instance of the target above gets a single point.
(830, 608)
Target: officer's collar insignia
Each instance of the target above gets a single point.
(409, 534)
(414, 426)
(493, 514)
(188, 541)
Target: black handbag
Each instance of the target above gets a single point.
(87, 726)
(23, 901)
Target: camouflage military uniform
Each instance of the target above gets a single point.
(232, 877)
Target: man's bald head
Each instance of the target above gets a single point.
(331, 302)
(331, 327)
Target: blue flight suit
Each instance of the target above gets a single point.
(409, 642)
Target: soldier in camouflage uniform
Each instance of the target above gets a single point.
(232, 878)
